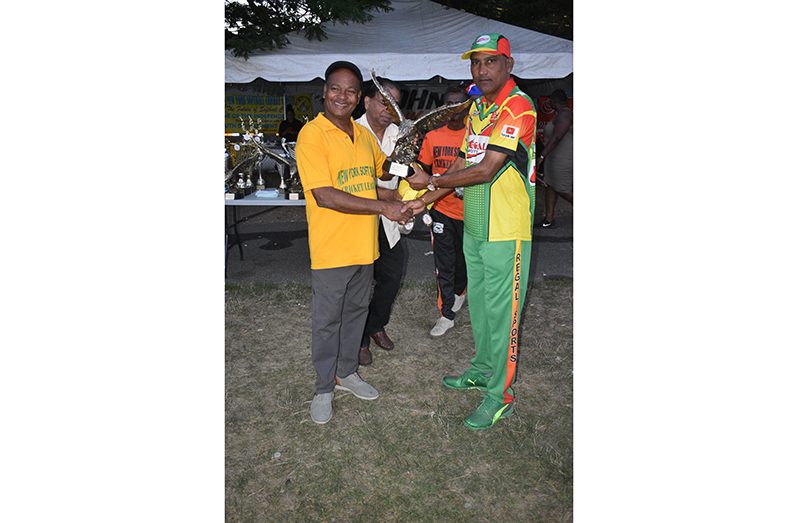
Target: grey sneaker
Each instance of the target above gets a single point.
(321, 408)
(458, 302)
(357, 386)
(441, 326)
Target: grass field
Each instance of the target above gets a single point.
(407, 455)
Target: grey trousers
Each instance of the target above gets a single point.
(339, 310)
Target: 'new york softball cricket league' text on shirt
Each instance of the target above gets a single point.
(327, 157)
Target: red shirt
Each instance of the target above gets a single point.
(439, 149)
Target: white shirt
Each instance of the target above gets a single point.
(387, 144)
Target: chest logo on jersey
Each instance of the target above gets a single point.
(508, 131)
(491, 119)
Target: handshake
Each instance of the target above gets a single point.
(410, 199)
(403, 211)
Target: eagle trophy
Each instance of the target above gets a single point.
(408, 143)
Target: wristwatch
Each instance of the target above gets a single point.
(431, 186)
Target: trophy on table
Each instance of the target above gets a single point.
(295, 191)
(259, 184)
(241, 159)
(411, 132)
(248, 184)
(241, 187)
(290, 184)
(245, 160)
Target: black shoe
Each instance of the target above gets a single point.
(547, 223)
(382, 340)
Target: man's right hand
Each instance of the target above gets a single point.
(396, 211)
(419, 179)
(417, 206)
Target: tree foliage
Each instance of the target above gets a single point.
(553, 17)
(264, 24)
(251, 25)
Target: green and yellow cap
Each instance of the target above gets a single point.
(491, 43)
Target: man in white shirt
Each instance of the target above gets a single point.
(388, 268)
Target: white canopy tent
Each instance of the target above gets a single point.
(418, 40)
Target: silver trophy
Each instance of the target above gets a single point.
(295, 191)
(290, 185)
(241, 186)
(260, 185)
(247, 155)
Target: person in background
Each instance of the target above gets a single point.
(496, 166)
(439, 150)
(389, 267)
(557, 157)
(338, 163)
(290, 127)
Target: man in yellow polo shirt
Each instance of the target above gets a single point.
(338, 163)
(497, 168)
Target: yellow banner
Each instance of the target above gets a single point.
(268, 108)
(303, 107)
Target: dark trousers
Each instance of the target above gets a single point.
(388, 272)
(450, 266)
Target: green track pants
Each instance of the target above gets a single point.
(497, 277)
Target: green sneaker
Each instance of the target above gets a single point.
(488, 413)
(470, 379)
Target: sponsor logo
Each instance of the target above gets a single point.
(508, 131)
(516, 300)
(483, 39)
(437, 227)
(478, 144)
(476, 148)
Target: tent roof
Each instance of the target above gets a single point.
(418, 40)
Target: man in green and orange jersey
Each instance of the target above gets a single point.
(497, 168)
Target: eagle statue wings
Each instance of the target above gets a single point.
(408, 142)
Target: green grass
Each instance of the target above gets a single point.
(407, 455)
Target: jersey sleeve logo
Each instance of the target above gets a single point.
(510, 132)
(477, 145)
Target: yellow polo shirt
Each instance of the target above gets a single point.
(326, 157)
